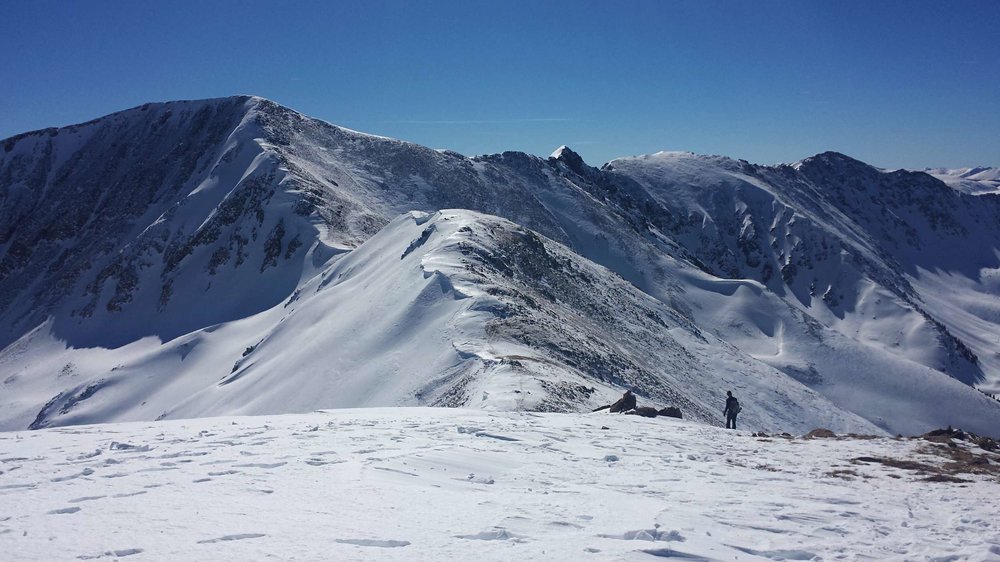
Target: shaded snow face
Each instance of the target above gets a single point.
(141, 223)
(273, 266)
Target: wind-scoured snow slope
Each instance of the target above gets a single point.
(142, 223)
(866, 252)
(454, 484)
(233, 256)
(452, 309)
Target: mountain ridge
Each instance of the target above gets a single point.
(244, 193)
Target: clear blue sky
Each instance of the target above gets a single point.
(897, 84)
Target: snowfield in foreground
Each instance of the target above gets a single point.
(449, 484)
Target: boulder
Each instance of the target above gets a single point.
(671, 412)
(644, 411)
(625, 403)
(820, 433)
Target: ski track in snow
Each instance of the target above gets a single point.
(433, 484)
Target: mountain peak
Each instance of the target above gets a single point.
(831, 158)
(122, 241)
(562, 152)
(571, 159)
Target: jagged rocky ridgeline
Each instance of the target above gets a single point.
(234, 256)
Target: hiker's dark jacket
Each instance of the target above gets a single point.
(732, 406)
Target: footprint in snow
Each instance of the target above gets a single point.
(86, 499)
(86, 472)
(319, 462)
(671, 553)
(183, 454)
(64, 511)
(494, 535)
(128, 447)
(647, 535)
(86, 456)
(480, 480)
(397, 471)
(565, 524)
(778, 554)
(157, 469)
(122, 553)
(494, 436)
(239, 537)
(374, 542)
(223, 461)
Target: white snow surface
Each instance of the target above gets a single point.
(557, 153)
(455, 484)
(975, 181)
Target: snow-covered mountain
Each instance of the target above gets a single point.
(977, 180)
(233, 256)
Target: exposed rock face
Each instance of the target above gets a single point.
(821, 433)
(171, 221)
(671, 412)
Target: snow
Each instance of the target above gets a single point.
(559, 151)
(267, 263)
(453, 484)
(454, 308)
(975, 181)
(837, 233)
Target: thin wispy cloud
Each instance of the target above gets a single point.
(481, 121)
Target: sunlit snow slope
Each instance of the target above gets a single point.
(233, 256)
(978, 180)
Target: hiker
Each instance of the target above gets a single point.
(732, 408)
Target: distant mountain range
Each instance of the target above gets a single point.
(232, 256)
(975, 181)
